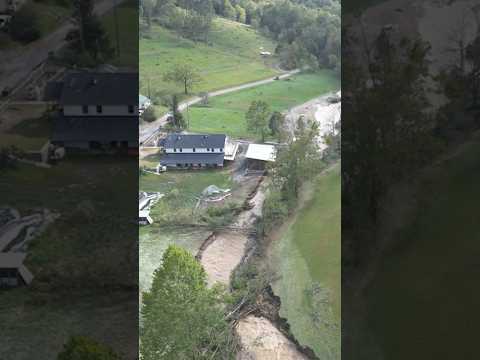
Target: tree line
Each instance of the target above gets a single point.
(392, 130)
(307, 32)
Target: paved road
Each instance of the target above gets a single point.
(17, 64)
(150, 129)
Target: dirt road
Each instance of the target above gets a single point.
(148, 130)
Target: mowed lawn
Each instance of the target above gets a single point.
(127, 16)
(423, 302)
(308, 258)
(226, 114)
(231, 57)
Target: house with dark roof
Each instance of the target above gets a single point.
(193, 150)
(96, 110)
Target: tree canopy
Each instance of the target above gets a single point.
(182, 317)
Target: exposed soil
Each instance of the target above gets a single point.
(223, 255)
(223, 251)
(261, 340)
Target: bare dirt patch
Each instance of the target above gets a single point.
(261, 340)
(223, 255)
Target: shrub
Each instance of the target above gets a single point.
(275, 210)
(83, 348)
(24, 26)
(149, 114)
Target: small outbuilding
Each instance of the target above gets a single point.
(144, 217)
(13, 272)
(258, 155)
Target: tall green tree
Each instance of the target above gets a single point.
(184, 75)
(89, 36)
(178, 121)
(297, 162)
(183, 318)
(276, 123)
(257, 117)
(228, 10)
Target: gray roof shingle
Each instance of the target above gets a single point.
(88, 88)
(194, 141)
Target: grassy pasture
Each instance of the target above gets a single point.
(309, 253)
(427, 285)
(127, 14)
(226, 113)
(230, 58)
(71, 256)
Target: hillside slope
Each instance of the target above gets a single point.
(427, 285)
(231, 57)
(307, 260)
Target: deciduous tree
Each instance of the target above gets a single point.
(182, 317)
(185, 75)
(257, 118)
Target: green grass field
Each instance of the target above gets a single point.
(231, 57)
(49, 17)
(182, 189)
(423, 301)
(155, 240)
(35, 325)
(307, 257)
(28, 135)
(68, 260)
(226, 114)
(127, 14)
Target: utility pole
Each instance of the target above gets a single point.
(115, 19)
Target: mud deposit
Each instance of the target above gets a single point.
(261, 340)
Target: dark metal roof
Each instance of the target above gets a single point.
(194, 141)
(102, 129)
(207, 159)
(53, 91)
(89, 88)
